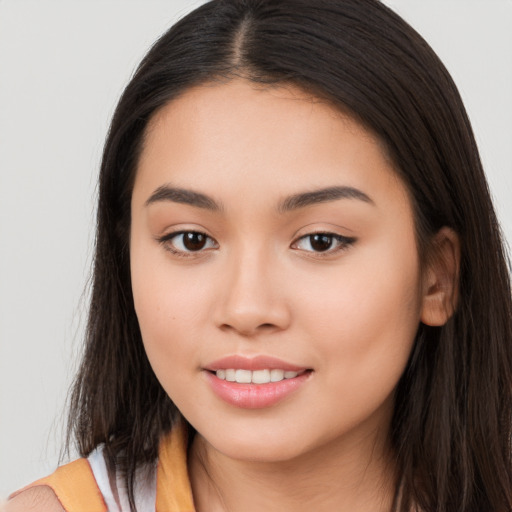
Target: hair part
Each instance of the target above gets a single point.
(451, 429)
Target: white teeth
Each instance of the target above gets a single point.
(276, 375)
(243, 376)
(260, 376)
(256, 376)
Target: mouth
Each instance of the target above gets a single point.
(255, 382)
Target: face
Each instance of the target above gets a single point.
(275, 271)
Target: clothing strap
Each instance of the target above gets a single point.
(173, 491)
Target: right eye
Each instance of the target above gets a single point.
(184, 243)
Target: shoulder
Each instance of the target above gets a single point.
(40, 499)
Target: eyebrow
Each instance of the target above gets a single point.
(294, 202)
(323, 195)
(183, 196)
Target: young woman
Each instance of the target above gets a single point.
(301, 300)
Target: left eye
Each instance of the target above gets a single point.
(188, 241)
(323, 242)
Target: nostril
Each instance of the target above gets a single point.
(249, 330)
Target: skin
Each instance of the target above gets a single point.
(36, 499)
(349, 314)
(258, 287)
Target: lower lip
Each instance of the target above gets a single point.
(255, 396)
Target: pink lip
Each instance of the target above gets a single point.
(252, 363)
(254, 396)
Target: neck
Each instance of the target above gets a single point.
(342, 475)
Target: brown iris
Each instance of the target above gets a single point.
(320, 242)
(194, 241)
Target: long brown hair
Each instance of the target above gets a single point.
(452, 425)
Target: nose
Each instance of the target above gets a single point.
(251, 297)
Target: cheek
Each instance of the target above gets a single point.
(167, 320)
(169, 307)
(365, 316)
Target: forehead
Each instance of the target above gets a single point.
(264, 139)
(243, 104)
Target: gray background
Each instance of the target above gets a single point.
(63, 65)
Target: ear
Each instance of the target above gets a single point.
(441, 278)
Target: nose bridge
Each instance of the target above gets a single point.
(252, 298)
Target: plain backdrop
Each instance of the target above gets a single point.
(63, 65)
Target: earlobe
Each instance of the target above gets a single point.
(441, 278)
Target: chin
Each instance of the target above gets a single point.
(260, 453)
(264, 445)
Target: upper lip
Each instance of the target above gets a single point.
(261, 362)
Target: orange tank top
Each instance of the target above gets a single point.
(76, 488)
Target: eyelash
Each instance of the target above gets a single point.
(343, 243)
